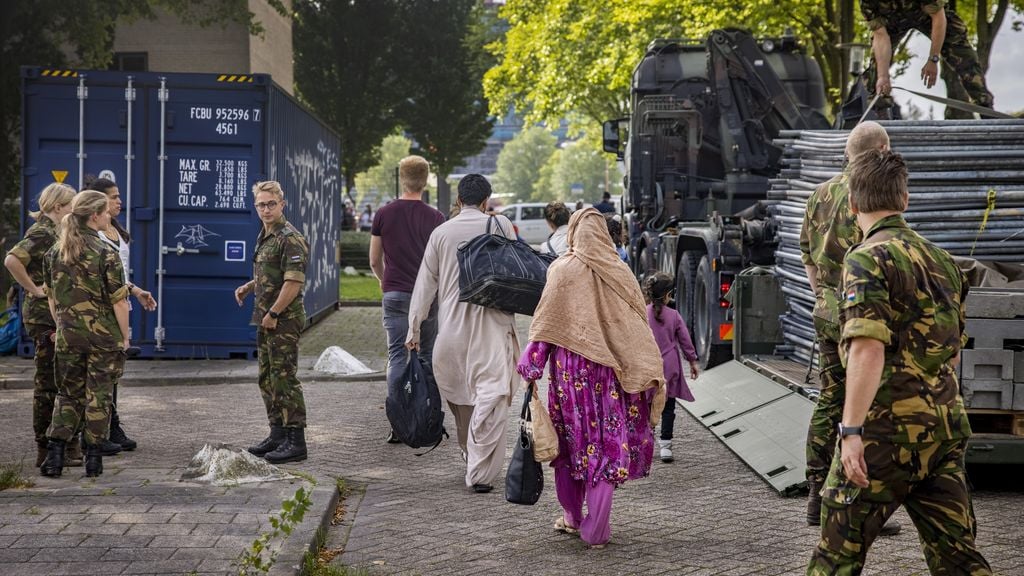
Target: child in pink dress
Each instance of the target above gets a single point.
(672, 337)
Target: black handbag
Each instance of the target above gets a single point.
(524, 480)
(496, 272)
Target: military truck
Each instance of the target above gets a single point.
(702, 147)
(699, 155)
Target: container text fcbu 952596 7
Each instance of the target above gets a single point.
(185, 150)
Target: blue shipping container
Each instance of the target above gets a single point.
(185, 150)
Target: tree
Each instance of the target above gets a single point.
(444, 109)
(346, 57)
(79, 34)
(380, 181)
(521, 160)
(565, 56)
(579, 164)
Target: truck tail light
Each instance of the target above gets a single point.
(725, 283)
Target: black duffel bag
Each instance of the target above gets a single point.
(499, 273)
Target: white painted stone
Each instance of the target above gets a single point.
(222, 465)
(335, 360)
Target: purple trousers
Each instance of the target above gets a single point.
(595, 528)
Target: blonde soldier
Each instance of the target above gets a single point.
(25, 262)
(904, 428)
(278, 275)
(89, 299)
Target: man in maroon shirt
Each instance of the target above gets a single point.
(399, 237)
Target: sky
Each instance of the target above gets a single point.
(1005, 80)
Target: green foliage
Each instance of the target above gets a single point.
(579, 163)
(445, 111)
(521, 160)
(258, 558)
(11, 476)
(565, 56)
(362, 288)
(370, 67)
(382, 178)
(347, 58)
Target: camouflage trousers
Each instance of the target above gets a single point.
(821, 434)
(957, 53)
(928, 480)
(85, 383)
(44, 391)
(279, 361)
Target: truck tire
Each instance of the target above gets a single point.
(685, 285)
(705, 301)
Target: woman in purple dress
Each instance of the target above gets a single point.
(590, 331)
(672, 337)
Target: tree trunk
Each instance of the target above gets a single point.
(444, 194)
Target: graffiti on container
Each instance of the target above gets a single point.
(312, 175)
(195, 236)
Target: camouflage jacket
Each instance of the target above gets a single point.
(281, 255)
(908, 293)
(31, 252)
(898, 13)
(84, 294)
(829, 230)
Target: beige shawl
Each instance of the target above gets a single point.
(592, 306)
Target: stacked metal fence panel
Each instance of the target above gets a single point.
(966, 195)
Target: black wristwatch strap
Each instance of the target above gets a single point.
(934, 58)
(845, 431)
(273, 314)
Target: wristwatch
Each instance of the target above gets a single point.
(934, 58)
(845, 431)
(273, 314)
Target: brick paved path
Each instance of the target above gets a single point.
(704, 514)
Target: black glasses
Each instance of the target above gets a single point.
(267, 205)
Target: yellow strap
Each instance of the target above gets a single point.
(991, 205)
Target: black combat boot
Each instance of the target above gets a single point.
(41, 451)
(293, 449)
(93, 460)
(270, 443)
(117, 435)
(105, 446)
(54, 462)
(814, 504)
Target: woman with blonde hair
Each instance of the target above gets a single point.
(89, 298)
(606, 379)
(118, 239)
(25, 263)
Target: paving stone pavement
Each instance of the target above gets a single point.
(704, 514)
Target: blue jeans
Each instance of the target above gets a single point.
(396, 324)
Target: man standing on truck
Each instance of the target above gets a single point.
(891, 19)
(828, 231)
(904, 427)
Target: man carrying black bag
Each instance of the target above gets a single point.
(476, 348)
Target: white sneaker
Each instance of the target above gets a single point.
(666, 450)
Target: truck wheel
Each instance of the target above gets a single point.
(705, 306)
(685, 285)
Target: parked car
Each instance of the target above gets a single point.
(529, 219)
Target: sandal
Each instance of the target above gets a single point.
(562, 526)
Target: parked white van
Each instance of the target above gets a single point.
(529, 218)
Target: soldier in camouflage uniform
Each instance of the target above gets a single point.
(279, 273)
(904, 427)
(89, 298)
(828, 230)
(889, 20)
(25, 262)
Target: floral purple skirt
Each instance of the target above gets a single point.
(603, 432)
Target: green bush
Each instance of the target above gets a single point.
(355, 249)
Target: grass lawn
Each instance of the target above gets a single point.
(364, 288)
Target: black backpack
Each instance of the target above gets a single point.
(413, 406)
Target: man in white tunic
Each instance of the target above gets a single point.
(476, 348)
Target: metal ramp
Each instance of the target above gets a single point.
(764, 423)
